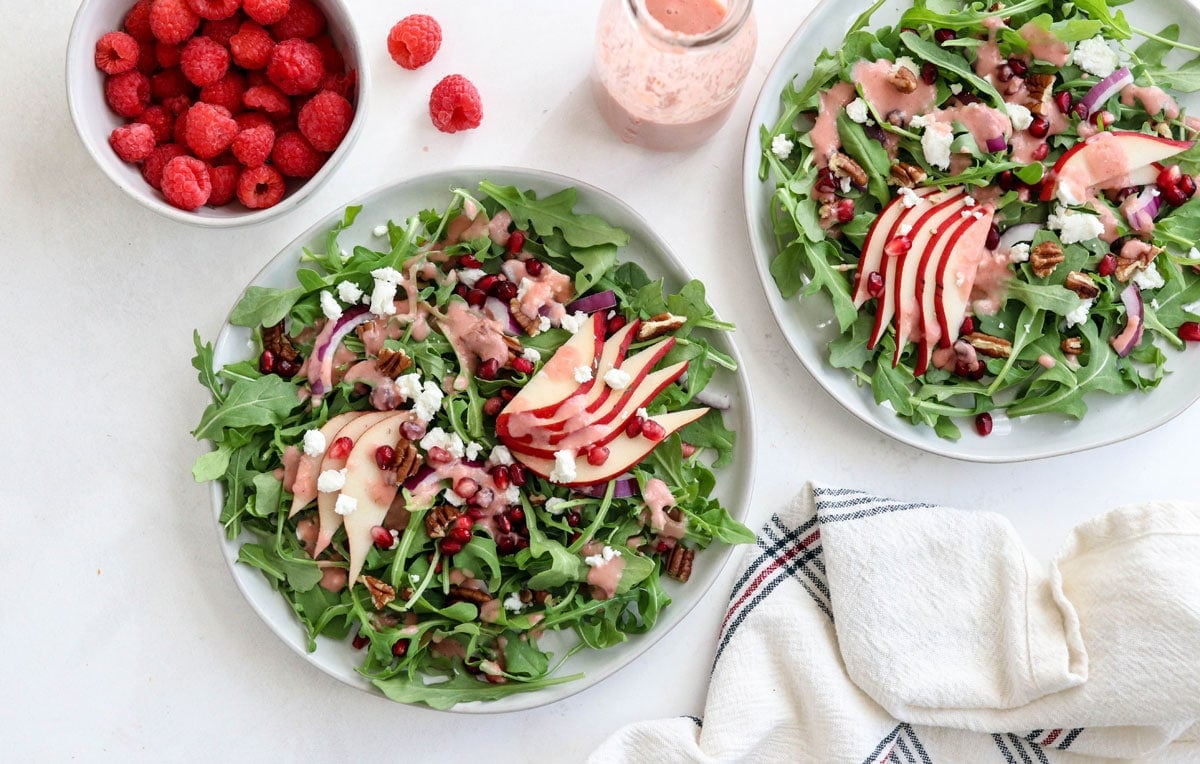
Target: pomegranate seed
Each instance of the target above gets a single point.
(461, 290)
(967, 99)
(503, 524)
(1108, 265)
(897, 246)
(476, 297)
(1189, 331)
(340, 448)
(516, 514)
(516, 242)
(615, 324)
(517, 475)
(400, 649)
(504, 290)
(466, 487)
(475, 513)
(968, 326)
(826, 183)
(633, 427)
(598, 455)
(652, 430)
(522, 365)
(412, 430)
(1168, 178)
(462, 521)
(266, 362)
(687, 449)
(1018, 65)
(507, 394)
(1174, 196)
(493, 406)
(574, 519)
(1007, 180)
(661, 547)
(486, 282)
(944, 35)
(1187, 185)
(929, 73)
(459, 535)
(1005, 73)
(845, 210)
(993, 237)
(469, 261)
(286, 367)
(488, 369)
(522, 543)
(1041, 151)
(484, 498)
(499, 475)
(875, 284)
(1080, 110)
(983, 424)
(1062, 99)
(384, 457)
(1035, 189)
(450, 547)
(360, 641)
(506, 545)
(1039, 127)
(534, 267)
(963, 369)
(439, 455)
(382, 537)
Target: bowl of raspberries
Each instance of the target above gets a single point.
(216, 112)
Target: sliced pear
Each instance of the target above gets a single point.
(955, 278)
(971, 236)
(1106, 159)
(372, 488)
(328, 520)
(555, 381)
(308, 469)
(882, 230)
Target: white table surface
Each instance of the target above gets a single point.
(124, 636)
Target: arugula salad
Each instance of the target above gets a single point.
(483, 433)
(999, 200)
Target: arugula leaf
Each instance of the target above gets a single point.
(950, 62)
(870, 154)
(596, 261)
(463, 688)
(203, 363)
(556, 212)
(709, 431)
(258, 402)
(263, 306)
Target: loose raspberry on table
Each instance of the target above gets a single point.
(455, 105)
(226, 92)
(161, 121)
(152, 168)
(252, 146)
(117, 52)
(132, 142)
(414, 40)
(266, 11)
(268, 99)
(127, 93)
(303, 20)
(214, 9)
(330, 55)
(170, 83)
(295, 157)
(224, 178)
(186, 183)
(172, 21)
(260, 187)
(251, 46)
(203, 61)
(137, 21)
(296, 67)
(167, 54)
(222, 30)
(325, 119)
(210, 130)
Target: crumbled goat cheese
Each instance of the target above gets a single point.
(935, 144)
(331, 480)
(450, 497)
(617, 379)
(955, 88)
(500, 455)
(329, 305)
(428, 402)
(512, 495)
(380, 231)
(1020, 116)
(1154, 304)
(1074, 227)
(1066, 196)
(554, 505)
(1080, 314)
(905, 229)
(573, 322)
(909, 197)
(349, 292)
(448, 441)
(390, 275)
(583, 374)
(544, 324)
(523, 288)
(409, 386)
(564, 467)
(907, 63)
(1149, 278)
(606, 554)
(314, 442)
(643, 413)
(781, 146)
(472, 450)
(383, 298)
(1094, 56)
(1019, 253)
(471, 276)
(970, 201)
(513, 603)
(345, 505)
(918, 121)
(844, 184)
(856, 110)
(533, 355)
(1192, 307)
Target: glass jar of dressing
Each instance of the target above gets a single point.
(667, 72)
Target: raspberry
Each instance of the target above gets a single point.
(204, 61)
(266, 11)
(226, 92)
(170, 83)
(325, 120)
(224, 180)
(172, 20)
(252, 147)
(250, 119)
(251, 46)
(222, 30)
(342, 84)
(210, 130)
(132, 142)
(267, 98)
(294, 157)
(137, 21)
(167, 55)
(177, 105)
(127, 93)
(303, 20)
(185, 183)
(296, 67)
(334, 62)
(147, 62)
(160, 121)
(454, 105)
(260, 187)
(214, 9)
(152, 168)
(179, 134)
(117, 52)
(414, 40)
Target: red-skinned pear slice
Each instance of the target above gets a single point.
(329, 521)
(971, 235)
(623, 452)
(879, 234)
(304, 488)
(371, 487)
(925, 222)
(555, 381)
(1104, 160)
(955, 278)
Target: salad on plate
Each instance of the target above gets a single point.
(474, 449)
(999, 201)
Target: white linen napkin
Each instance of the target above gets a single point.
(862, 629)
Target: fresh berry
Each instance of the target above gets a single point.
(214, 9)
(294, 157)
(382, 537)
(633, 427)
(517, 474)
(117, 52)
(127, 93)
(152, 168)
(170, 83)
(132, 142)
(1189, 331)
(268, 99)
(226, 92)
(325, 119)
(260, 187)
(1041, 151)
(167, 55)
(534, 267)
(335, 63)
(224, 178)
(185, 183)
(615, 324)
(179, 133)
(252, 146)
(342, 84)
(1007, 180)
(203, 61)
(944, 35)
(147, 62)
(137, 21)
(249, 119)
(296, 67)
(251, 46)
(266, 11)
(455, 105)
(929, 73)
(210, 130)
(505, 291)
(160, 120)
(173, 21)
(266, 362)
(993, 237)
(221, 31)
(303, 20)
(967, 326)
(414, 40)
(845, 210)
(466, 487)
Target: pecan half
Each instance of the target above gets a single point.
(438, 519)
(531, 326)
(679, 566)
(468, 594)
(542, 597)
(1044, 258)
(1040, 88)
(1164, 129)
(407, 461)
(902, 79)
(657, 326)
(843, 166)
(995, 347)
(277, 341)
(392, 363)
(1082, 285)
(381, 593)
(906, 175)
(1072, 345)
(1142, 255)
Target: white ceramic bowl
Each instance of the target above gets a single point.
(94, 121)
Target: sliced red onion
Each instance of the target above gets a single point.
(594, 303)
(624, 487)
(423, 474)
(996, 143)
(714, 400)
(1131, 335)
(495, 307)
(1104, 90)
(1017, 234)
(1142, 213)
(320, 368)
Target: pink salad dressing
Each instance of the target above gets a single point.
(982, 122)
(658, 499)
(1107, 218)
(1043, 45)
(687, 16)
(987, 56)
(874, 79)
(1047, 361)
(824, 133)
(474, 337)
(489, 612)
(1103, 159)
(605, 577)
(291, 465)
(1153, 100)
(550, 289)
(989, 291)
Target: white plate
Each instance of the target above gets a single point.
(808, 326)
(338, 658)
